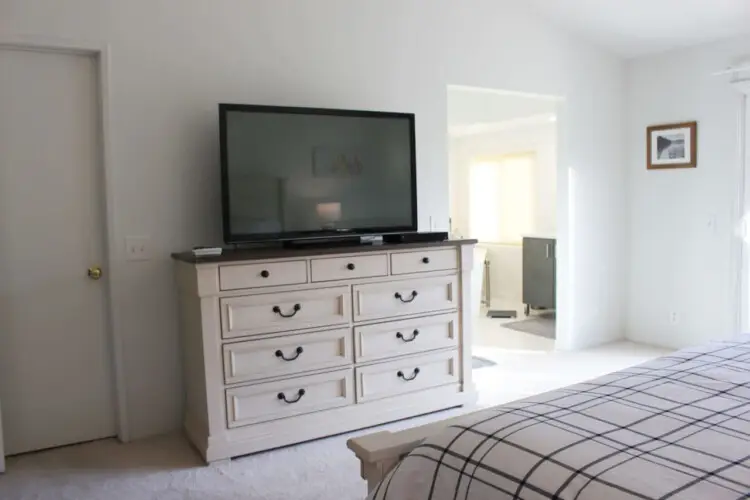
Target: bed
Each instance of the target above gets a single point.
(677, 427)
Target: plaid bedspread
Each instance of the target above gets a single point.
(677, 427)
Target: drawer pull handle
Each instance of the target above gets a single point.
(350, 266)
(265, 274)
(425, 260)
(280, 354)
(400, 374)
(406, 301)
(277, 310)
(282, 397)
(414, 334)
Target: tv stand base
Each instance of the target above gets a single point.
(345, 241)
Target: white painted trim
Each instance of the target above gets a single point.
(2, 446)
(101, 53)
(564, 227)
(740, 250)
(105, 67)
(499, 126)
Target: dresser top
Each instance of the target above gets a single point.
(246, 254)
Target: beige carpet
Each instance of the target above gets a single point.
(167, 468)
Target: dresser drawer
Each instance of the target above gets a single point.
(262, 274)
(406, 375)
(285, 398)
(259, 359)
(284, 311)
(396, 338)
(424, 261)
(342, 268)
(399, 298)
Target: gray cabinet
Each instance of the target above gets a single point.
(538, 273)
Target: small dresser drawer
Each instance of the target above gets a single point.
(406, 375)
(285, 398)
(400, 298)
(284, 311)
(396, 338)
(262, 274)
(342, 268)
(259, 359)
(424, 261)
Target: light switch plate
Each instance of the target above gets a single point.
(137, 248)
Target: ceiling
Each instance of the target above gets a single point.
(634, 28)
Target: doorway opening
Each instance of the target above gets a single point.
(503, 165)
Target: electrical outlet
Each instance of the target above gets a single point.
(138, 248)
(674, 318)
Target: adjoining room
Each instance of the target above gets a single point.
(503, 182)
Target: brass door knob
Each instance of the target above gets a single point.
(95, 273)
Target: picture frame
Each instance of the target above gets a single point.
(673, 145)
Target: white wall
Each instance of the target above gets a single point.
(680, 261)
(172, 61)
(541, 138)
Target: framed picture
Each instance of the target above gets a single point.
(672, 146)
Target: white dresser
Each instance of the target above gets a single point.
(283, 346)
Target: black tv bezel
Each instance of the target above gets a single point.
(230, 238)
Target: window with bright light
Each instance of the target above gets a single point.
(501, 194)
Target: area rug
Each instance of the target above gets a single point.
(542, 325)
(477, 362)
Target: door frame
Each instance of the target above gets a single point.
(741, 240)
(100, 52)
(2, 447)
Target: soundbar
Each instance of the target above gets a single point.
(415, 237)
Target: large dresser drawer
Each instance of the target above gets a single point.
(286, 398)
(400, 298)
(424, 261)
(343, 268)
(411, 336)
(392, 378)
(284, 311)
(259, 359)
(262, 274)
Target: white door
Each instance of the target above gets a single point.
(56, 380)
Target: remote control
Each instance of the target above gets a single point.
(207, 251)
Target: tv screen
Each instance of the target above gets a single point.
(290, 173)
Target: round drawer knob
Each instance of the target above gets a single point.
(265, 273)
(350, 266)
(425, 260)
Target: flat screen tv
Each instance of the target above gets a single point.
(295, 173)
